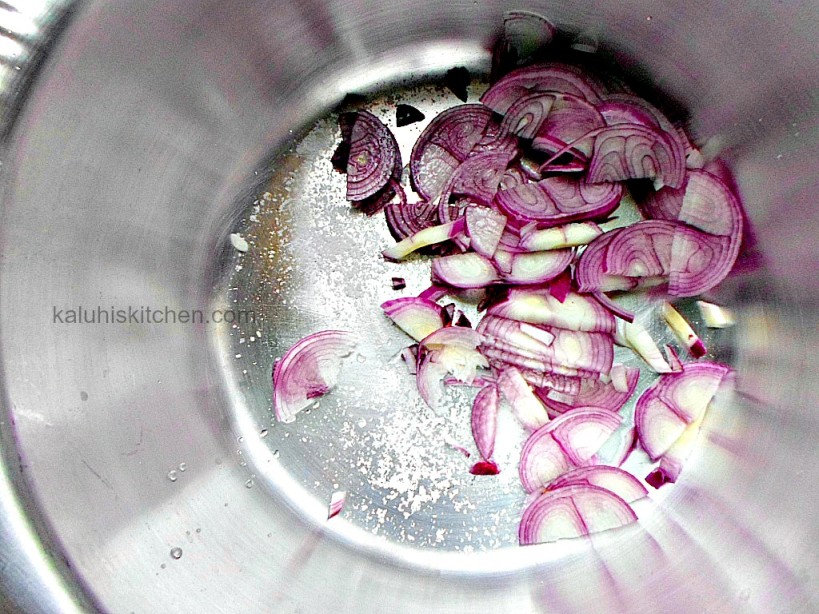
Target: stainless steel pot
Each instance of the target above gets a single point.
(141, 471)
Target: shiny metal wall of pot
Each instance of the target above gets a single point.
(121, 177)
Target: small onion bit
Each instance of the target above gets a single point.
(683, 331)
(337, 501)
(308, 370)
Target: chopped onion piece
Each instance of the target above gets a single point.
(485, 227)
(573, 511)
(577, 312)
(424, 238)
(416, 316)
(634, 336)
(634, 151)
(337, 501)
(372, 158)
(308, 370)
(682, 329)
(525, 405)
(538, 267)
(674, 458)
(484, 468)
(715, 316)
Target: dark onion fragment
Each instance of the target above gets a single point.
(399, 283)
(569, 120)
(484, 468)
(457, 80)
(406, 114)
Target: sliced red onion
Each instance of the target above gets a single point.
(468, 270)
(573, 511)
(308, 370)
(622, 112)
(558, 237)
(632, 151)
(477, 177)
(683, 331)
(660, 120)
(337, 501)
(406, 220)
(485, 227)
(416, 316)
(484, 468)
(558, 200)
(569, 120)
(398, 283)
(540, 78)
(443, 145)
(715, 316)
(590, 271)
(525, 405)
(538, 267)
(495, 139)
(676, 400)
(526, 336)
(563, 444)
(560, 384)
(710, 205)
(577, 312)
(527, 113)
(502, 259)
(593, 392)
(699, 261)
(429, 379)
(633, 335)
(424, 238)
(613, 479)
(663, 204)
(372, 158)
(641, 250)
(500, 357)
(485, 420)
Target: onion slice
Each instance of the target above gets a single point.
(468, 270)
(485, 227)
(308, 370)
(633, 335)
(563, 444)
(424, 238)
(559, 237)
(416, 316)
(634, 151)
(525, 405)
(577, 312)
(593, 392)
(573, 511)
(613, 479)
(485, 420)
(675, 401)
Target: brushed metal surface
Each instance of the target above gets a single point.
(147, 457)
